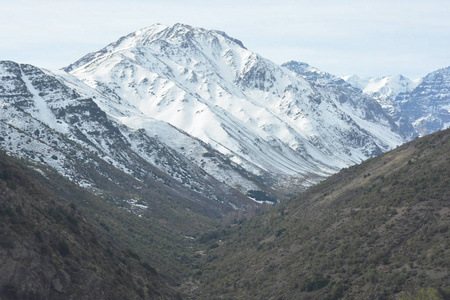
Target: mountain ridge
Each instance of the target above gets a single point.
(195, 74)
(194, 105)
(93, 147)
(406, 101)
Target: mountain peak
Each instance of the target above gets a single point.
(179, 35)
(443, 72)
(184, 30)
(168, 31)
(310, 73)
(256, 113)
(299, 66)
(383, 87)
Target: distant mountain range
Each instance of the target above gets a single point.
(194, 114)
(418, 107)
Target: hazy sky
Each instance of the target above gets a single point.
(369, 38)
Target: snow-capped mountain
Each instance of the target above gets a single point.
(383, 89)
(341, 89)
(192, 115)
(45, 120)
(427, 107)
(419, 107)
(273, 123)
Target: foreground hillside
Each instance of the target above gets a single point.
(51, 248)
(379, 230)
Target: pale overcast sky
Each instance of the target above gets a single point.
(369, 38)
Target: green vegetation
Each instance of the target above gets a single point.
(260, 196)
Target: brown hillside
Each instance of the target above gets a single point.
(379, 230)
(51, 249)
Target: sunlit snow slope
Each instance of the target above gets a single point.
(52, 119)
(261, 116)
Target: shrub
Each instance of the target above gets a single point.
(132, 254)
(7, 242)
(213, 246)
(280, 232)
(38, 236)
(63, 248)
(151, 269)
(314, 283)
(9, 291)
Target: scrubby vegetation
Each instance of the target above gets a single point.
(51, 248)
(379, 230)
